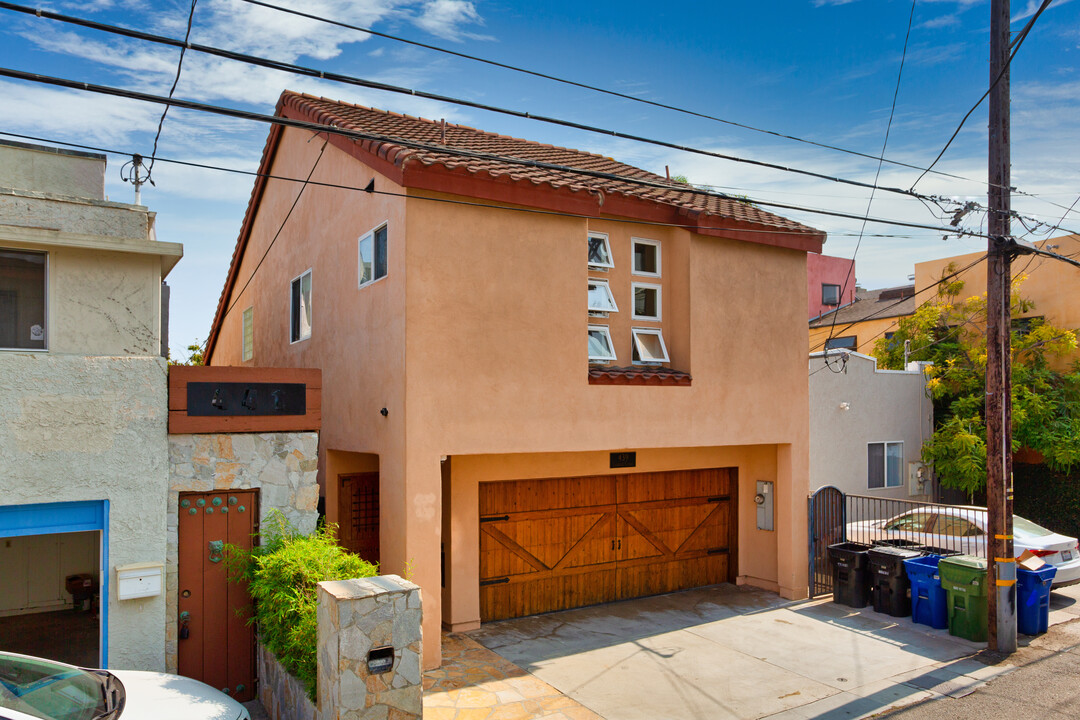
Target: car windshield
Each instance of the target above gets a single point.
(49, 690)
(1026, 527)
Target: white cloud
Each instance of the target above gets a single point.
(81, 116)
(443, 18)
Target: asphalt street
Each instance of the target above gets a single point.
(1044, 685)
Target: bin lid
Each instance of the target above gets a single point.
(969, 562)
(892, 552)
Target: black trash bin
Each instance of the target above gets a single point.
(849, 573)
(890, 589)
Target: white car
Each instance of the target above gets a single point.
(963, 529)
(33, 688)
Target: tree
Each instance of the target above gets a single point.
(951, 333)
(195, 355)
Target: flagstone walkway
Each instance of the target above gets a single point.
(476, 684)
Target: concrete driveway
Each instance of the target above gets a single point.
(737, 652)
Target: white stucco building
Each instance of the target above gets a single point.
(867, 427)
(83, 399)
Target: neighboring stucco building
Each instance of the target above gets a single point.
(542, 389)
(875, 314)
(830, 283)
(868, 426)
(82, 397)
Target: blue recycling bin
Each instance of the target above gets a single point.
(928, 601)
(1033, 599)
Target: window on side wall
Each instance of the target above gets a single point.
(372, 256)
(646, 301)
(600, 298)
(248, 344)
(599, 251)
(23, 293)
(300, 308)
(648, 346)
(830, 294)
(884, 464)
(847, 342)
(601, 349)
(646, 257)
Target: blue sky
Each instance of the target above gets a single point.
(824, 70)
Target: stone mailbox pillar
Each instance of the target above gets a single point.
(370, 650)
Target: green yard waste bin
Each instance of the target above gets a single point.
(963, 577)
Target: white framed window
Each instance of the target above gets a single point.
(600, 251)
(247, 350)
(600, 298)
(648, 346)
(646, 301)
(646, 257)
(601, 349)
(23, 299)
(371, 254)
(884, 464)
(300, 308)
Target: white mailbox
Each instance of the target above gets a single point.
(139, 580)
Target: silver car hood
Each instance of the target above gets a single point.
(160, 696)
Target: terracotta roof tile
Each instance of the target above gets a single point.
(637, 375)
(460, 137)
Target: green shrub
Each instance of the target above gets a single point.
(281, 574)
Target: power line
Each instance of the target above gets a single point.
(585, 86)
(370, 84)
(534, 211)
(179, 66)
(458, 152)
(884, 144)
(1016, 48)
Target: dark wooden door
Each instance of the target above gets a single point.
(358, 512)
(220, 646)
(559, 543)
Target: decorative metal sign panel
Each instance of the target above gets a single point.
(225, 398)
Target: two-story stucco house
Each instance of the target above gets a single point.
(83, 443)
(542, 388)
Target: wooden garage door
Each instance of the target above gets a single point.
(560, 543)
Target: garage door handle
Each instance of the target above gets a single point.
(496, 581)
(495, 518)
(718, 498)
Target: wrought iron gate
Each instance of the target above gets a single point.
(828, 519)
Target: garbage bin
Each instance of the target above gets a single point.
(928, 601)
(1033, 599)
(890, 591)
(963, 578)
(849, 571)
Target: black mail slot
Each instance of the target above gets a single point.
(229, 398)
(380, 660)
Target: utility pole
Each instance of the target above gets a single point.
(1001, 562)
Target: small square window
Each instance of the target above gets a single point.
(830, 294)
(648, 346)
(371, 256)
(646, 257)
(884, 464)
(300, 308)
(599, 251)
(600, 297)
(22, 300)
(248, 349)
(646, 301)
(601, 348)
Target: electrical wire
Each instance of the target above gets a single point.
(281, 227)
(448, 201)
(370, 84)
(877, 174)
(456, 152)
(179, 66)
(1016, 48)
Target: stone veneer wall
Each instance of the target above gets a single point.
(282, 466)
(354, 617)
(282, 695)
